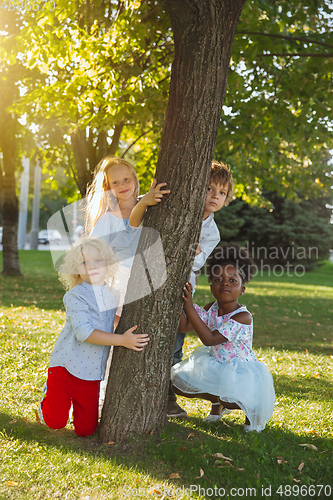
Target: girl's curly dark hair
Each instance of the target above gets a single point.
(234, 255)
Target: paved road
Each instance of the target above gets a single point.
(44, 247)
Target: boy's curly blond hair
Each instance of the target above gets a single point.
(221, 174)
(68, 271)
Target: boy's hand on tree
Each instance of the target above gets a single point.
(187, 296)
(154, 194)
(135, 341)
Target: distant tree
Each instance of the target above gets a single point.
(9, 131)
(15, 139)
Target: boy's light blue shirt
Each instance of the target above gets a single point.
(209, 238)
(88, 308)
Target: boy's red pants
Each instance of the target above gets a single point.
(63, 390)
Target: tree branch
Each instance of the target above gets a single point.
(291, 38)
(298, 54)
(115, 138)
(158, 6)
(136, 140)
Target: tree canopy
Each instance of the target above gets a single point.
(277, 131)
(103, 78)
(102, 75)
(104, 71)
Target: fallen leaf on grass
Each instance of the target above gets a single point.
(38, 420)
(183, 448)
(25, 419)
(11, 483)
(300, 467)
(201, 474)
(228, 463)
(111, 442)
(241, 468)
(174, 475)
(311, 446)
(296, 480)
(281, 460)
(219, 455)
(190, 435)
(12, 422)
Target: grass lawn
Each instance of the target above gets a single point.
(291, 458)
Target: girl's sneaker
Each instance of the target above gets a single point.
(249, 428)
(216, 418)
(39, 413)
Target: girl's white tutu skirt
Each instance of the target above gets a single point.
(249, 384)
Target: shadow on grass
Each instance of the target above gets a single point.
(307, 388)
(189, 449)
(29, 292)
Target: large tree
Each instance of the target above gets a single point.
(15, 140)
(138, 382)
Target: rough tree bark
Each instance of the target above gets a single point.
(138, 383)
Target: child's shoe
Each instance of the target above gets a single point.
(249, 428)
(38, 412)
(174, 410)
(216, 418)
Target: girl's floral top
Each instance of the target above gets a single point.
(239, 345)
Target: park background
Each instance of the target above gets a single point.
(80, 80)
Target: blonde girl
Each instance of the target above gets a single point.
(78, 360)
(111, 198)
(113, 194)
(103, 194)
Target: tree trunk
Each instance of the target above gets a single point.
(9, 201)
(87, 155)
(138, 383)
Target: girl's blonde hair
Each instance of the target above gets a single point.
(68, 271)
(99, 197)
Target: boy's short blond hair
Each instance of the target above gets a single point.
(220, 174)
(68, 271)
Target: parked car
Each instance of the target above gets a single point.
(49, 236)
